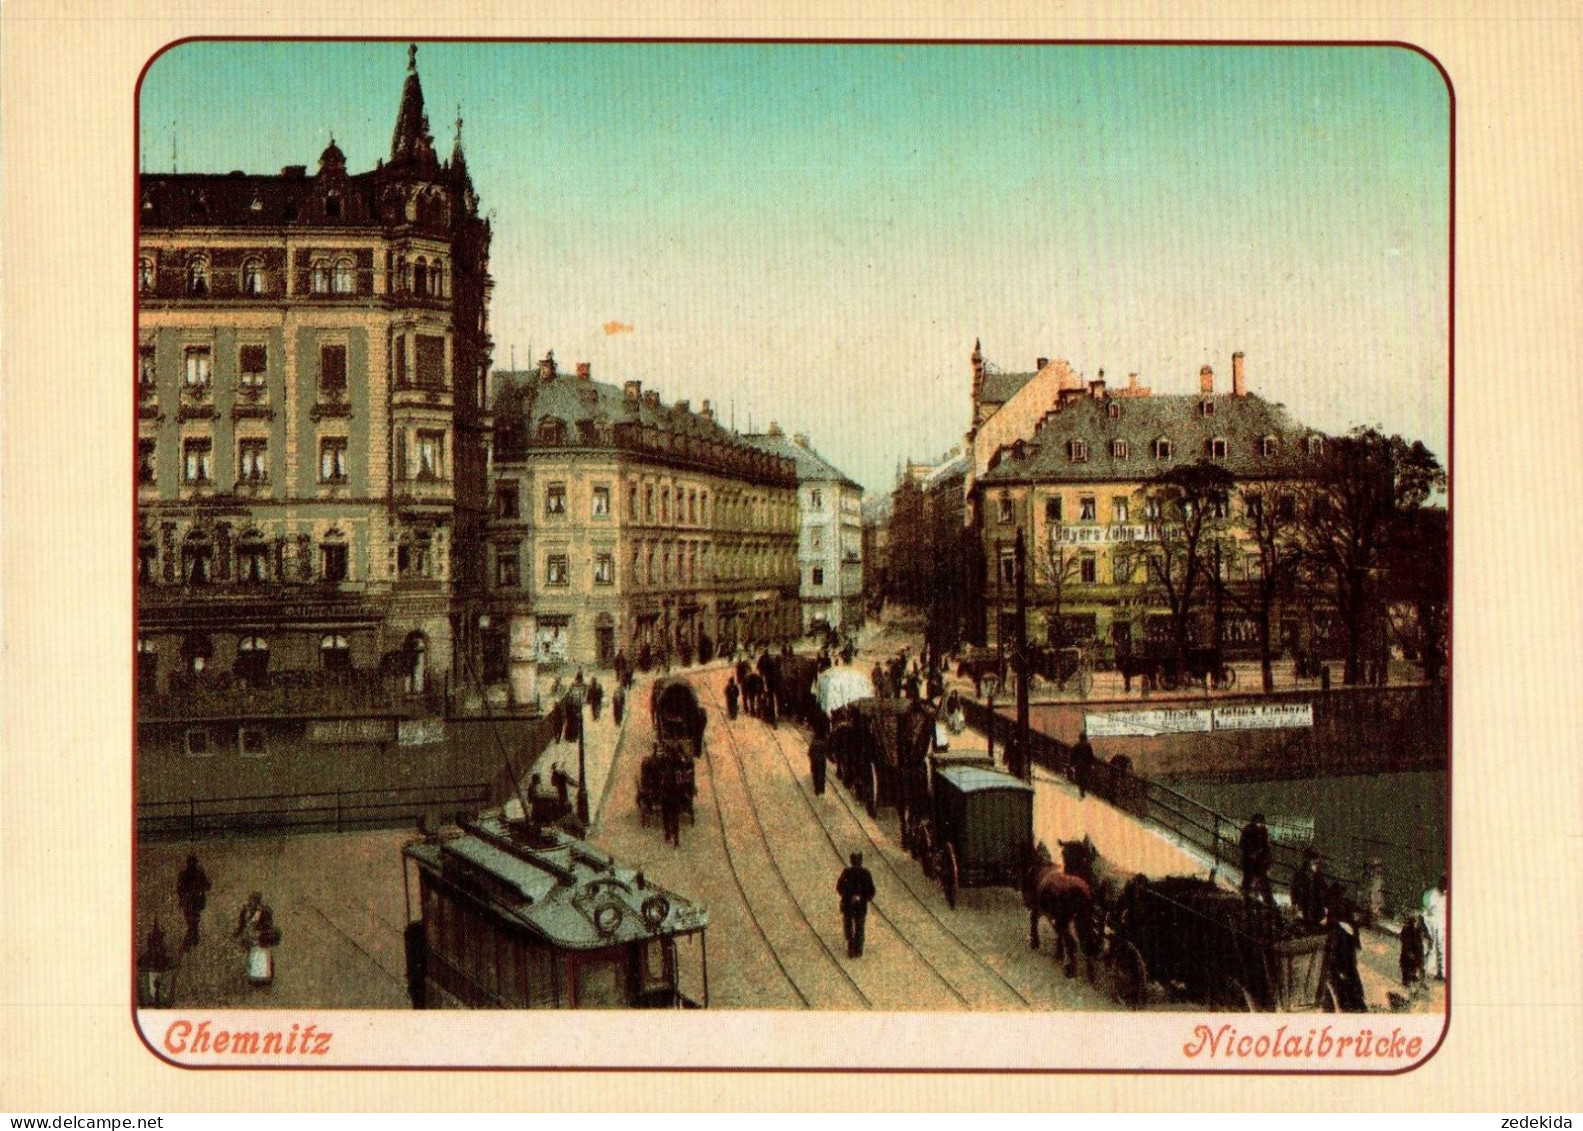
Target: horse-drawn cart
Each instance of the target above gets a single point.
(977, 830)
(1206, 944)
(666, 771)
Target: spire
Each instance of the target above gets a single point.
(458, 158)
(412, 141)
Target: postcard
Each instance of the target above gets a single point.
(878, 554)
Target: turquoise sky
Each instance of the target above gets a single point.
(816, 234)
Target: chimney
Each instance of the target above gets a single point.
(1042, 362)
(802, 439)
(1096, 389)
(775, 429)
(1132, 380)
(706, 412)
(1206, 380)
(1239, 382)
(652, 398)
(547, 366)
(683, 406)
(634, 391)
(585, 371)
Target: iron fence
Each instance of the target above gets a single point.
(337, 810)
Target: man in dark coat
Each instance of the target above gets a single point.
(596, 696)
(192, 892)
(1308, 889)
(1415, 947)
(1082, 763)
(618, 704)
(1255, 846)
(1341, 960)
(856, 889)
(818, 754)
(732, 694)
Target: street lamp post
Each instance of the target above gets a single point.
(1024, 761)
(575, 700)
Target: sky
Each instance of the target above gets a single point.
(816, 234)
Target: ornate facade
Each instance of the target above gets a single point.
(312, 433)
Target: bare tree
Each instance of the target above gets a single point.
(1186, 509)
(1356, 504)
(1268, 528)
(1057, 567)
(1418, 580)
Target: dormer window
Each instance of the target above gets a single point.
(1113, 410)
(198, 275)
(257, 205)
(1120, 449)
(1206, 408)
(1315, 445)
(1216, 448)
(552, 432)
(1077, 451)
(332, 204)
(1162, 448)
(145, 275)
(1267, 446)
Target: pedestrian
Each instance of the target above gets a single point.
(671, 804)
(596, 696)
(618, 704)
(245, 916)
(573, 723)
(1341, 960)
(192, 892)
(1082, 763)
(732, 694)
(1435, 927)
(1308, 889)
(623, 667)
(856, 889)
(1255, 846)
(156, 971)
(818, 755)
(1414, 947)
(562, 782)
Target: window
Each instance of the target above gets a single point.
(1122, 568)
(253, 277)
(252, 562)
(252, 366)
(665, 565)
(252, 461)
(506, 499)
(431, 455)
(557, 570)
(1052, 509)
(816, 539)
(341, 277)
(429, 355)
(320, 283)
(147, 562)
(145, 275)
(332, 370)
(703, 508)
(1077, 451)
(1087, 568)
(1285, 508)
(145, 462)
(198, 368)
(692, 507)
(197, 743)
(665, 504)
(196, 560)
(1206, 408)
(196, 461)
(1118, 509)
(147, 368)
(420, 276)
(632, 501)
(649, 565)
(412, 557)
(1120, 449)
(599, 502)
(198, 276)
(1008, 568)
(1004, 510)
(1088, 509)
(1217, 448)
(1152, 509)
(508, 566)
(818, 575)
(333, 561)
(648, 503)
(552, 432)
(335, 654)
(332, 459)
(816, 499)
(604, 569)
(252, 742)
(1316, 445)
(1219, 506)
(555, 499)
(1254, 506)
(437, 279)
(1113, 410)
(1267, 446)
(332, 204)
(252, 659)
(1162, 449)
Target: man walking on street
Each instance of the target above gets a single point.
(1082, 764)
(817, 756)
(856, 889)
(192, 892)
(1256, 860)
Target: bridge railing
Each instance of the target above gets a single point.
(337, 810)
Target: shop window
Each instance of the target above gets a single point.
(197, 461)
(555, 499)
(604, 569)
(332, 459)
(253, 366)
(333, 561)
(557, 570)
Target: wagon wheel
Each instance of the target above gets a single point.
(1129, 975)
(1231, 996)
(950, 875)
(873, 790)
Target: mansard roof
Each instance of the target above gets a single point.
(811, 466)
(1242, 422)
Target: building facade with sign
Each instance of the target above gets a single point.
(311, 431)
(1077, 486)
(830, 539)
(620, 523)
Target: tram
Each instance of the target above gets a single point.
(512, 915)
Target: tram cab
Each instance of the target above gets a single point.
(516, 916)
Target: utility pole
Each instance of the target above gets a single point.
(1020, 661)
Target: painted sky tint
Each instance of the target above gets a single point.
(816, 234)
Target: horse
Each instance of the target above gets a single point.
(1065, 900)
(1080, 858)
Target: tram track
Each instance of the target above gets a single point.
(890, 866)
(763, 836)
